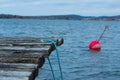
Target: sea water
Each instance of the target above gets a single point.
(77, 62)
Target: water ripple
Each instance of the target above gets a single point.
(78, 63)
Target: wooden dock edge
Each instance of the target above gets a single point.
(21, 57)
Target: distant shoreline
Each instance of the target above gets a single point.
(62, 17)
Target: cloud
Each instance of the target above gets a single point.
(52, 7)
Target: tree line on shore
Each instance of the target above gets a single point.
(61, 17)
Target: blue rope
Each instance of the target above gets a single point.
(57, 53)
(51, 68)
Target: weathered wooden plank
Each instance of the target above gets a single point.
(19, 48)
(6, 54)
(27, 44)
(30, 45)
(44, 51)
(34, 45)
(20, 60)
(20, 70)
(16, 73)
(13, 78)
(34, 71)
(17, 39)
(39, 61)
(19, 65)
(58, 41)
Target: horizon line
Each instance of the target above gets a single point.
(58, 15)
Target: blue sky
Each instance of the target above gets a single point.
(60, 7)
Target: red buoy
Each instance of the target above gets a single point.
(94, 45)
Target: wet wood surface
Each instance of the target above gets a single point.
(21, 57)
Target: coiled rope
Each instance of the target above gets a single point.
(58, 58)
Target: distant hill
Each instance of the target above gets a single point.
(61, 17)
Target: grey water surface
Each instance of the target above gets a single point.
(77, 62)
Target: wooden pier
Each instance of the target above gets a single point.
(21, 57)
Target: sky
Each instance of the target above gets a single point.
(60, 7)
